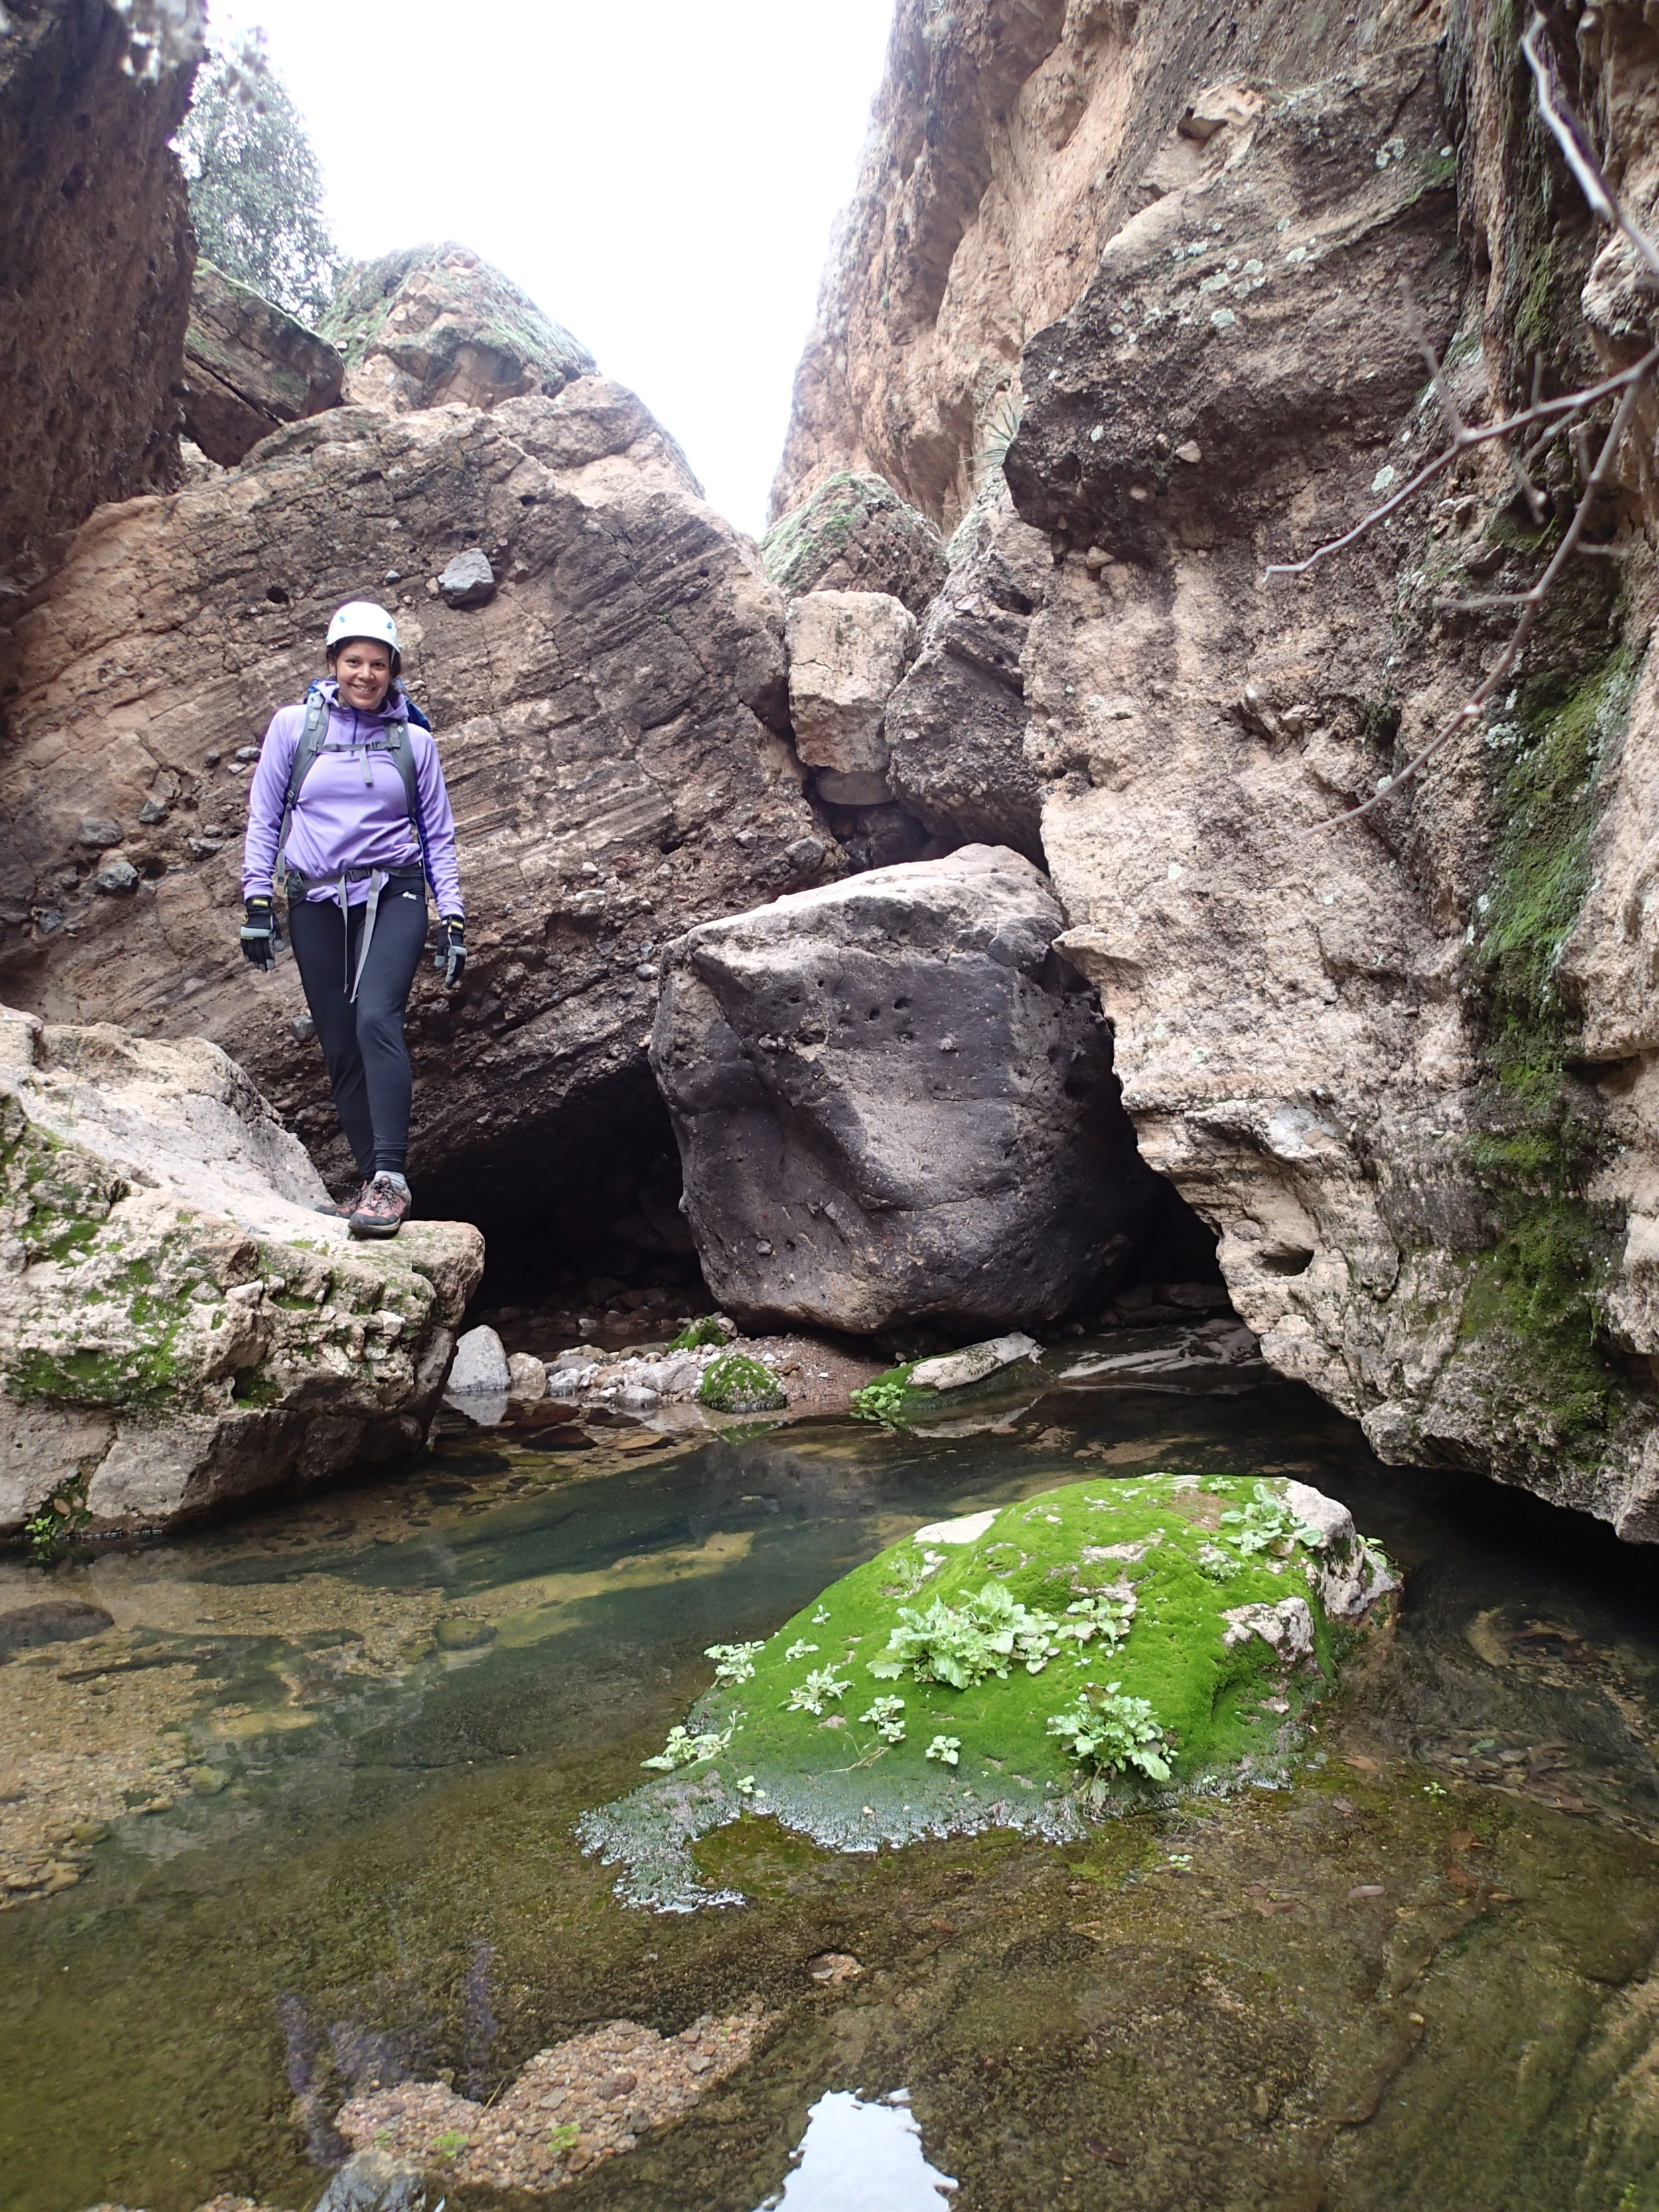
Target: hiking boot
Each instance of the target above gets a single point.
(381, 1207)
(341, 1209)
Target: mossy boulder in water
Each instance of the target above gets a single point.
(1024, 1667)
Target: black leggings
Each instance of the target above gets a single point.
(363, 1040)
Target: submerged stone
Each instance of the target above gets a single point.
(1026, 1666)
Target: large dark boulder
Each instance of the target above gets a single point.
(892, 1102)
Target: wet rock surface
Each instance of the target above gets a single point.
(570, 2108)
(179, 1328)
(889, 1105)
(249, 368)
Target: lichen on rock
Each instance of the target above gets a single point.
(178, 1325)
(1022, 1667)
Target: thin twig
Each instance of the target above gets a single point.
(1472, 707)
(1565, 405)
(1550, 418)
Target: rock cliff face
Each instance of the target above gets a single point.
(1402, 1067)
(613, 727)
(436, 324)
(178, 1328)
(95, 256)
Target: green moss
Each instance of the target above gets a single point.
(797, 550)
(1111, 1597)
(708, 1329)
(1540, 1141)
(738, 1384)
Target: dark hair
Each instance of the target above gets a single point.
(339, 645)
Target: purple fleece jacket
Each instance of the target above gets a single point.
(340, 819)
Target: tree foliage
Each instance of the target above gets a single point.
(255, 189)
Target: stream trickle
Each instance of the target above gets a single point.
(366, 1727)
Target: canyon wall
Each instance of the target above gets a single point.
(1403, 1066)
(611, 722)
(96, 251)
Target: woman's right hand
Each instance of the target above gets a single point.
(260, 934)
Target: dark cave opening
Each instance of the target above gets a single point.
(581, 1218)
(583, 1213)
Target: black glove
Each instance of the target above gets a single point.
(451, 951)
(261, 934)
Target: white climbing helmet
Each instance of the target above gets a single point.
(362, 618)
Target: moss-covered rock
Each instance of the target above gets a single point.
(740, 1384)
(1025, 1667)
(178, 1325)
(855, 534)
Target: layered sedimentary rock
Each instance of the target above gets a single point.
(855, 534)
(249, 368)
(1401, 1067)
(179, 1327)
(612, 725)
(95, 256)
(436, 323)
(892, 1103)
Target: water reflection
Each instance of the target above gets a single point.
(860, 2157)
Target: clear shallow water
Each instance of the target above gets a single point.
(1190, 2010)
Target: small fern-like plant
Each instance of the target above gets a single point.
(1106, 1731)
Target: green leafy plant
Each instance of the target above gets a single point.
(798, 1649)
(823, 1682)
(1107, 1618)
(1107, 1731)
(256, 193)
(947, 1749)
(562, 2136)
(684, 1749)
(708, 1329)
(883, 1398)
(738, 1384)
(886, 1716)
(988, 1634)
(734, 1663)
(1267, 1524)
(61, 1517)
(450, 2141)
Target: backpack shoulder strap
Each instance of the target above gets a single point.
(403, 753)
(311, 742)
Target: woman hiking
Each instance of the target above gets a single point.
(348, 813)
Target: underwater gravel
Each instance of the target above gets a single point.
(569, 2109)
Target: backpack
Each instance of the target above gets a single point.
(394, 741)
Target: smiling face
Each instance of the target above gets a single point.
(362, 670)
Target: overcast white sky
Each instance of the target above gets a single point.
(661, 178)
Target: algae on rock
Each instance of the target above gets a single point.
(1018, 1668)
(178, 1325)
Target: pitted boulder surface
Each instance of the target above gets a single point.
(890, 1105)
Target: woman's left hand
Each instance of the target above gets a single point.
(451, 951)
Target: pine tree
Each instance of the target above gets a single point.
(255, 189)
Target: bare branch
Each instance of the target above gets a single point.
(1558, 412)
(1548, 419)
(1532, 603)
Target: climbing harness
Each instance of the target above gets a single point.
(394, 742)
